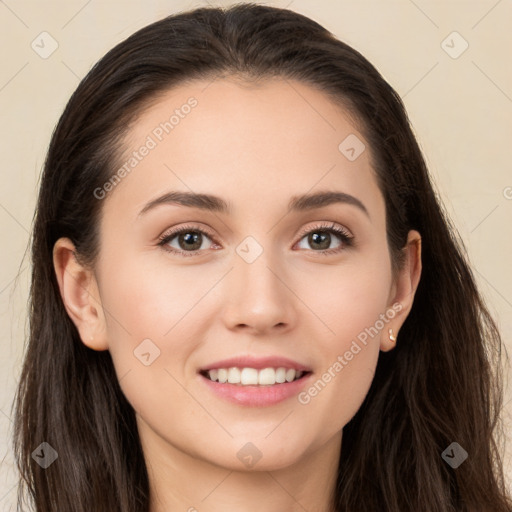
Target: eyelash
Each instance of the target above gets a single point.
(346, 239)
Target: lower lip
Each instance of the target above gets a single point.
(256, 396)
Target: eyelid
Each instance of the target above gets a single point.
(190, 227)
(325, 226)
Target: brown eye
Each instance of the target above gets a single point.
(184, 240)
(190, 240)
(320, 238)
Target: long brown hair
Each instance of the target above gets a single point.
(441, 384)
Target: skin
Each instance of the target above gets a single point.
(255, 146)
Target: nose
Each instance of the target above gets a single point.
(260, 300)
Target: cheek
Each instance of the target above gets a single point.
(153, 328)
(348, 358)
(351, 303)
(347, 299)
(151, 308)
(147, 295)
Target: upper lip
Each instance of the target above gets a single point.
(257, 363)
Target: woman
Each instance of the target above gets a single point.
(190, 346)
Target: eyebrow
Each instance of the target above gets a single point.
(213, 203)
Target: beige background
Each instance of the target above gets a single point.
(461, 109)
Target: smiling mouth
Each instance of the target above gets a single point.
(253, 377)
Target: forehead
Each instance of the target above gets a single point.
(258, 142)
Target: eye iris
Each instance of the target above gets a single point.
(190, 240)
(320, 237)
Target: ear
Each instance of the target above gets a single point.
(403, 289)
(80, 295)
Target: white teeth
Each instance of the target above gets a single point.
(267, 377)
(251, 376)
(234, 376)
(290, 375)
(281, 375)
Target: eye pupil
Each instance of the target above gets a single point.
(320, 237)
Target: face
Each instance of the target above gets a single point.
(263, 283)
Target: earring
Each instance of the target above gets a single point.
(391, 337)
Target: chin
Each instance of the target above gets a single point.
(257, 455)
